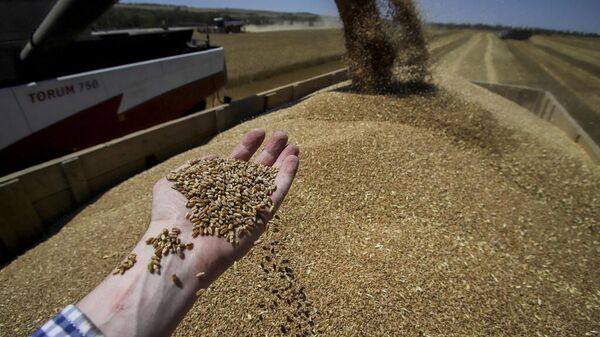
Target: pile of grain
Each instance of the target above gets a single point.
(385, 43)
(427, 215)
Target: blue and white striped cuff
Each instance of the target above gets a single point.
(70, 322)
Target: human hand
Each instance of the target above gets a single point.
(138, 303)
(211, 253)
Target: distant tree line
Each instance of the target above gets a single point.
(146, 16)
(498, 28)
(156, 15)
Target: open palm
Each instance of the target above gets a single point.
(214, 254)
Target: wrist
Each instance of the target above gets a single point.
(138, 303)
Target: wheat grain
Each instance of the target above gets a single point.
(225, 197)
(126, 264)
(165, 243)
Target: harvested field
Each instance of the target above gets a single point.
(258, 62)
(278, 80)
(261, 61)
(434, 33)
(567, 67)
(581, 42)
(582, 58)
(454, 213)
(254, 56)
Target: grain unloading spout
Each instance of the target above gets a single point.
(66, 20)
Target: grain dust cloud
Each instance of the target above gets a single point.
(385, 43)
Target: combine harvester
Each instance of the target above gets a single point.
(515, 34)
(63, 88)
(227, 25)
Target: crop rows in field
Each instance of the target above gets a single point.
(568, 68)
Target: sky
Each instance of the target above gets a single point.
(579, 15)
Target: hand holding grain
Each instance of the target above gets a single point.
(169, 205)
(150, 297)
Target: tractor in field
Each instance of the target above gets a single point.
(227, 25)
(515, 34)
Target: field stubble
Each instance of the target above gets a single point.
(544, 62)
(246, 66)
(590, 43)
(576, 89)
(253, 56)
(585, 59)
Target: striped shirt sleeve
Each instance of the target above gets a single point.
(70, 322)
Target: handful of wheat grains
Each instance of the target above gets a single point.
(225, 198)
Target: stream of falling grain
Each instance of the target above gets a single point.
(385, 43)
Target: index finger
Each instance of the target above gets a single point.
(248, 145)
